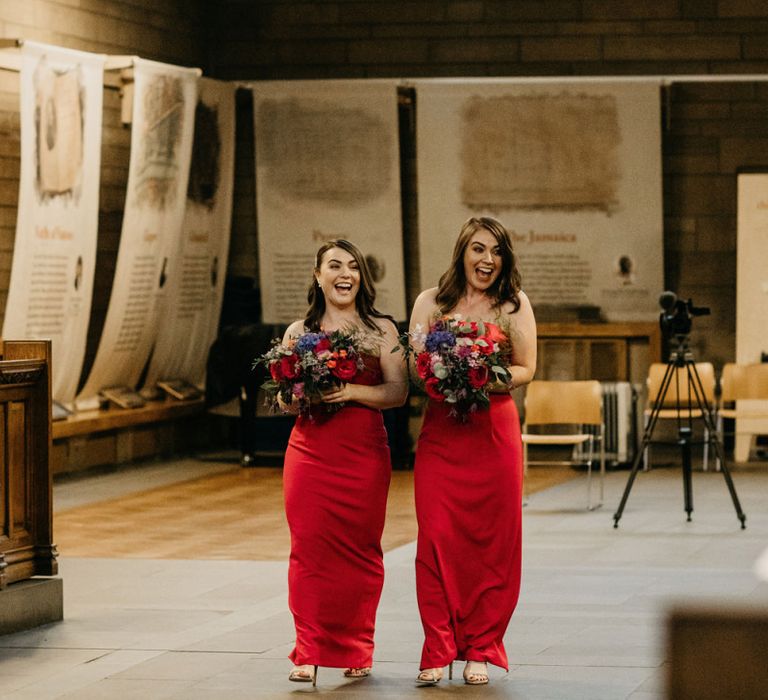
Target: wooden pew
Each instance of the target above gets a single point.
(26, 524)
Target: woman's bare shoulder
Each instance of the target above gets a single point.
(386, 327)
(295, 329)
(426, 302)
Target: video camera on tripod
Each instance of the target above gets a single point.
(677, 315)
(681, 373)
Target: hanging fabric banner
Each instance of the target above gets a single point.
(572, 168)
(196, 272)
(327, 166)
(56, 228)
(161, 145)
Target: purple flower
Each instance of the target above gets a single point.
(437, 339)
(307, 342)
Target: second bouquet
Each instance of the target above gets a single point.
(302, 370)
(460, 362)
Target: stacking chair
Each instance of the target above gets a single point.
(742, 382)
(552, 406)
(680, 400)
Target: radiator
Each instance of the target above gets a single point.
(622, 421)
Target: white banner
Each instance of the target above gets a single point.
(196, 273)
(571, 167)
(327, 166)
(161, 144)
(55, 251)
(751, 296)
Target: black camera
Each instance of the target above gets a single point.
(677, 315)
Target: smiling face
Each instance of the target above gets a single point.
(339, 277)
(482, 260)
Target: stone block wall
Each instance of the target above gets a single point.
(711, 129)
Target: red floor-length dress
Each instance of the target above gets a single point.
(468, 481)
(336, 477)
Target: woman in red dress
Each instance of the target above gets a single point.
(336, 477)
(468, 476)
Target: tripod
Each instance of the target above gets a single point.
(682, 358)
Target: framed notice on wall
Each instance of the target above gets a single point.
(572, 168)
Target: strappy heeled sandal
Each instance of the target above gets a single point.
(303, 674)
(362, 672)
(429, 676)
(473, 676)
(432, 676)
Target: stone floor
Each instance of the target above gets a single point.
(590, 624)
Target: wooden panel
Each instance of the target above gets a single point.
(3, 478)
(18, 467)
(608, 359)
(602, 351)
(25, 406)
(717, 651)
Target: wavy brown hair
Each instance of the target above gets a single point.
(366, 294)
(453, 283)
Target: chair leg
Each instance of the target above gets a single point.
(590, 459)
(705, 457)
(647, 450)
(719, 438)
(602, 464)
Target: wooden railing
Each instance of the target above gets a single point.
(26, 528)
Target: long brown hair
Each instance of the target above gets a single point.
(366, 294)
(453, 283)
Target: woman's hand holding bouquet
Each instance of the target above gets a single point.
(306, 369)
(459, 363)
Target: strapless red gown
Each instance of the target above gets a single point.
(336, 477)
(468, 480)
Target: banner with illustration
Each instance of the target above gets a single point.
(161, 143)
(327, 166)
(572, 168)
(196, 272)
(57, 222)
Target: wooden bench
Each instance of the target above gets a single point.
(26, 525)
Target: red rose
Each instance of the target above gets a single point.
(486, 349)
(432, 391)
(288, 366)
(478, 376)
(468, 329)
(495, 333)
(424, 364)
(322, 344)
(274, 370)
(345, 369)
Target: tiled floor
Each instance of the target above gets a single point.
(589, 626)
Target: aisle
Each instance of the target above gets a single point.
(230, 513)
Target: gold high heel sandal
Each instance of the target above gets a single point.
(473, 675)
(362, 672)
(302, 674)
(432, 676)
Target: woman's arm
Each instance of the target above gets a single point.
(292, 332)
(523, 364)
(423, 310)
(393, 390)
(422, 315)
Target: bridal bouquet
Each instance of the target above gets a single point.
(459, 362)
(308, 366)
